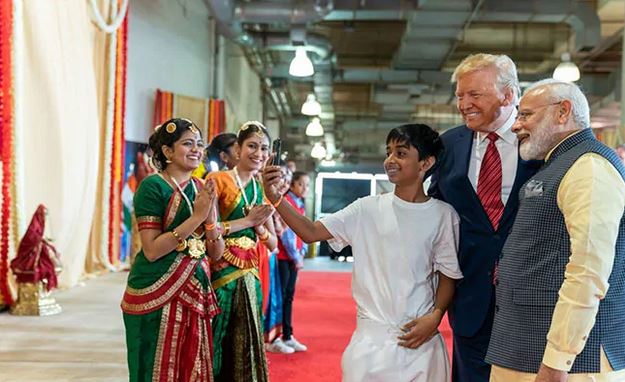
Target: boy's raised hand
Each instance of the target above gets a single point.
(272, 180)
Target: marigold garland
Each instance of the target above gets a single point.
(6, 139)
(19, 223)
(117, 155)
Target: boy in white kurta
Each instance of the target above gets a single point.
(405, 262)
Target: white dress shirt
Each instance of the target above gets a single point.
(507, 145)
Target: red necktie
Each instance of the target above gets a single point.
(489, 182)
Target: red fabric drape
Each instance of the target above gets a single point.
(164, 106)
(36, 257)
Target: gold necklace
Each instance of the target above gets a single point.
(195, 244)
(248, 206)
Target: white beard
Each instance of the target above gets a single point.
(540, 141)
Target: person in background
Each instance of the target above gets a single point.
(169, 301)
(273, 306)
(245, 219)
(219, 155)
(403, 277)
(480, 175)
(560, 313)
(290, 164)
(620, 151)
(223, 151)
(291, 258)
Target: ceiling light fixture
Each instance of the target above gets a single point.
(567, 70)
(314, 128)
(311, 106)
(301, 66)
(318, 151)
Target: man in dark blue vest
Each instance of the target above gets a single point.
(480, 174)
(560, 307)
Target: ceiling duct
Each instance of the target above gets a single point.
(317, 44)
(581, 17)
(323, 92)
(265, 12)
(345, 10)
(230, 15)
(433, 30)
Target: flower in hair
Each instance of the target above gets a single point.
(171, 127)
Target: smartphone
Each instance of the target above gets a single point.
(276, 149)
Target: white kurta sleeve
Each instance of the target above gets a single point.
(342, 225)
(446, 245)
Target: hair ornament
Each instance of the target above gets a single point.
(247, 124)
(171, 127)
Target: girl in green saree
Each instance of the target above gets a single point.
(238, 330)
(169, 302)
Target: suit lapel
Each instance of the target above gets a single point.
(462, 159)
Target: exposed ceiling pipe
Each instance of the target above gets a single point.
(378, 76)
(317, 44)
(271, 12)
(433, 30)
(580, 16)
(231, 14)
(601, 48)
(223, 12)
(346, 10)
(430, 34)
(323, 91)
(465, 27)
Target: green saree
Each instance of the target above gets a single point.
(168, 303)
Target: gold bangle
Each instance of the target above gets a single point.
(215, 239)
(182, 243)
(209, 227)
(276, 204)
(264, 237)
(226, 227)
(177, 236)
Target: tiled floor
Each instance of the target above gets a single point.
(86, 341)
(83, 343)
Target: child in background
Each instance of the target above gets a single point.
(273, 311)
(405, 263)
(291, 257)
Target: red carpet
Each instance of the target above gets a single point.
(324, 317)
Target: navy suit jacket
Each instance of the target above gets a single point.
(480, 244)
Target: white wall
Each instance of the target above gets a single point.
(242, 90)
(167, 49)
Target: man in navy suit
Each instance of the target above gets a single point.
(480, 174)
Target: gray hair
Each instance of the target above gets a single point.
(507, 77)
(558, 91)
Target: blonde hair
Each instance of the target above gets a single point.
(506, 70)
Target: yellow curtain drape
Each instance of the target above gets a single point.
(192, 108)
(61, 130)
(96, 259)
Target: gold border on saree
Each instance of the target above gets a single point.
(242, 242)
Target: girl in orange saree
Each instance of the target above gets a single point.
(238, 330)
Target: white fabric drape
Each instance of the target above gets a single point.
(60, 125)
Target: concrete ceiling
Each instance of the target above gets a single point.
(386, 62)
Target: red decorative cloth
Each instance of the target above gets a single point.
(36, 257)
